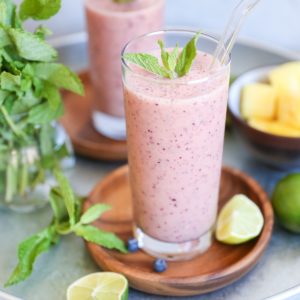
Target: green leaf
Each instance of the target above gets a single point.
(43, 114)
(52, 94)
(164, 54)
(58, 75)
(93, 213)
(9, 81)
(106, 239)
(67, 194)
(31, 47)
(187, 56)
(42, 32)
(4, 38)
(148, 62)
(173, 57)
(58, 205)
(6, 12)
(169, 59)
(39, 9)
(29, 250)
(3, 95)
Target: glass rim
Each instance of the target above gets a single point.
(162, 80)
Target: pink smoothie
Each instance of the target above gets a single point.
(175, 142)
(110, 26)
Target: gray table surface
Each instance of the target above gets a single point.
(278, 269)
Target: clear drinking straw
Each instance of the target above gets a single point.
(232, 30)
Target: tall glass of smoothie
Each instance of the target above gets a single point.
(111, 24)
(175, 130)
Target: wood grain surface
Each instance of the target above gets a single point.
(218, 267)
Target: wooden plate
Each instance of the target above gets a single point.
(218, 267)
(77, 121)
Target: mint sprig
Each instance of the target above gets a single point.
(67, 219)
(174, 63)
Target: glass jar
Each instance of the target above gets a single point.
(25, 171)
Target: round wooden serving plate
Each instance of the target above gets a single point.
(218, 267)
(78, 123)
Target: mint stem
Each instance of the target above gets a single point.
(23, 179)
(10, 122)
(11, 181)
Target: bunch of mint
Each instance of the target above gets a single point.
(30, 80)
(67, 219)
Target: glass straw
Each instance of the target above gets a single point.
(227, 41)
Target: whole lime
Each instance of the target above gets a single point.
(286, 202)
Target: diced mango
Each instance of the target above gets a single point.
(286, 81)
(274, 127)
(259, 101)
(289, 111)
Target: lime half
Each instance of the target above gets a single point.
(240, 220)
(99, 286)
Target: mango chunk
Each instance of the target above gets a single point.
(259, 100)
(286, 81)
(274, 127)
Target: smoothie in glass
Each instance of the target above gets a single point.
(175, 130)
(110, 26)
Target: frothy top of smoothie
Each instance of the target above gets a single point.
(199, 80)
(111, 6)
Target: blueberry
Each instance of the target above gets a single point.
(133, 245)
(160, 265)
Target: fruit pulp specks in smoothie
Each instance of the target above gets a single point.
(175, 134)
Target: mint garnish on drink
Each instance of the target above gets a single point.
(174, 63)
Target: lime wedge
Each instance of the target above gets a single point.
(240, 220)
(99, 286)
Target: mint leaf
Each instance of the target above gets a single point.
(173, 57)
(93, 213)
(187, 56)
(39, 9)
(43, 113)
(42, 32)
(58, 75)
(67, 195)
(164, 54)
(169, 59)
(9, 81)
(148, 62)
(6, 12)
(31, 47)
(3, 95)
(52, 94)
(4, 38)
(58, 205)
(29, 250)
(106, 239)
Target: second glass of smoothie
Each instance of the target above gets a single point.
(175, 130)
(110, 26)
